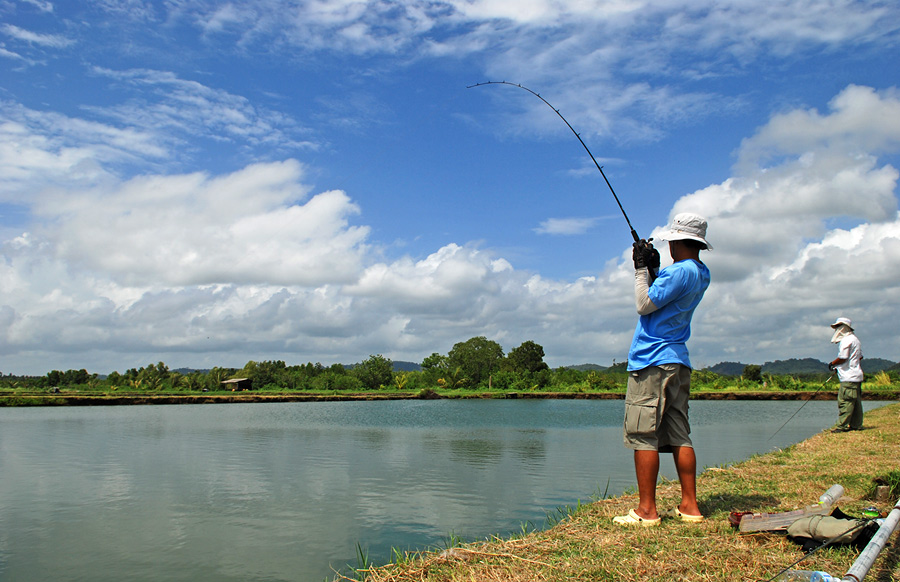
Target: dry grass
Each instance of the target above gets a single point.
(587, 546)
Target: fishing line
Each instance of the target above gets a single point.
(801, 406)
(599, 167)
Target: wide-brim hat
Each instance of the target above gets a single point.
(842, 321)
(687, 226)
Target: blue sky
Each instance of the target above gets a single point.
(207, 183)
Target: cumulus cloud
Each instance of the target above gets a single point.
(252, 262)
(862, 121)
(129, 254)
(45, 149)
(245, 227)
(807, 237)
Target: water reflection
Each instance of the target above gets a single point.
(286, 491)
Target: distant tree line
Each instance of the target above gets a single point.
(477, 363)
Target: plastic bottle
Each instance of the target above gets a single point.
(806, 576)
(833, 494)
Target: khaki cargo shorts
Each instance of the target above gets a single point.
(656, 408)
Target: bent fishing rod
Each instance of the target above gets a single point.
(802, 405)
(634, 234)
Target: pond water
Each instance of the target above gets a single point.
(289, 491)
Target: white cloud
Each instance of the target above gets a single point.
(249, 263)
(46, 40)
(862, 121)
(246, 227)
(39, 149)
(14, 56)
(131, 258)
(184, 107)
(785, 262)
(565, 226)
(42, 5)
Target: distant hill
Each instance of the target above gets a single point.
(186, 371)
(800, 366)
(407, 367)
(728, 368)
(795, 366)
(874, 365)
(586, 367)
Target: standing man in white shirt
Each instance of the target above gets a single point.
(850, 373)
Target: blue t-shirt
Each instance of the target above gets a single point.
(660, 337)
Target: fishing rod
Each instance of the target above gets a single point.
(634, 234)
(802, 405)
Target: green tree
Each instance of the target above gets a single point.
(215, 377)
(193, 382)
(375, 372)
(262, 374)
(454, 378)
(402, 379)
(114, 379)
(69, 377)
(527, 358)
(54, 378)
(753, 373)
(434, 367)
(477, 358)
(434, 361)
(154, 377)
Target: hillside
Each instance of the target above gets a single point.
(586, 367)
(800, 366)
(407, 367)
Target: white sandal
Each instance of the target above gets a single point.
(675, 512)
(634, 519)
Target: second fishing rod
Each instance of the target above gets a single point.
(645, 246)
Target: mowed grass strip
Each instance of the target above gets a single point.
(587, 546)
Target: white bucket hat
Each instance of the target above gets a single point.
(687, 226)
(842, 321)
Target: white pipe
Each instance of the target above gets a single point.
(867, 557)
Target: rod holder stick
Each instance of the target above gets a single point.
(867, 557)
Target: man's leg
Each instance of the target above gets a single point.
(856, 417)
(646, 466)
(686, 466)
(845, 406)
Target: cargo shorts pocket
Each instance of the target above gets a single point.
(641, 414)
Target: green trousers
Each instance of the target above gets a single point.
(850, 410)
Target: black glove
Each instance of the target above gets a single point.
(832, 367)
(644, 255)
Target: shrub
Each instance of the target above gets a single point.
(601, 381)
(329, 381)
(753, 373)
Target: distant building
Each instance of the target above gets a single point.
(238, 384)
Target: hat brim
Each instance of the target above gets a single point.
(675, 235)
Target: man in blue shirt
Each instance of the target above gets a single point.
(656, 402)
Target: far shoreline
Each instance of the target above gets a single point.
(64, 399)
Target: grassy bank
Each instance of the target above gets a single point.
(587, 546)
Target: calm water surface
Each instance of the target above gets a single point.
(286, 491)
